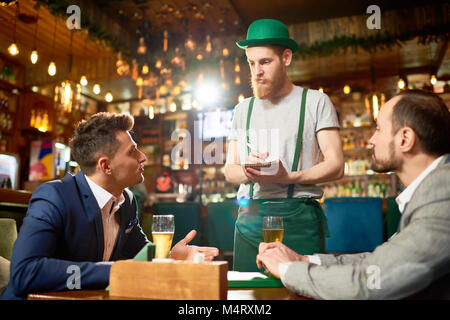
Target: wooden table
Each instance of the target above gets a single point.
(233, 294)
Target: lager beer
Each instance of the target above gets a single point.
(272, 235)
(163, 243)
(163, 228)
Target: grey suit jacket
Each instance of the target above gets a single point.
(416, 259)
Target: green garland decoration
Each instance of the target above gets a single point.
(58, 8)
(381, 40)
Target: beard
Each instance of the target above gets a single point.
(270, 88)
(385, 165)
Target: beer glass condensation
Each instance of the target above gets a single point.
(273, 229)
(163, 228)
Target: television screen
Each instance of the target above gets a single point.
(217, 124)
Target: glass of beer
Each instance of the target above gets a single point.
(163, 227)
(273, 229)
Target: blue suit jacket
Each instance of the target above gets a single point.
(63, 229)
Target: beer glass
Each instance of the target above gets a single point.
(273, 229)
(163, 228)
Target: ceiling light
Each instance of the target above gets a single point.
(13, 50)
(83, 81)
(52, 69)
(347, 89)
(433, 80)
(96, 88)
(34, 57)
(108, 97)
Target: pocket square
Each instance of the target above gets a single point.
(128, 230)
(130, 225)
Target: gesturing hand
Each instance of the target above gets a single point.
(182, 251)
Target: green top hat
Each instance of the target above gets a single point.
(268, 32)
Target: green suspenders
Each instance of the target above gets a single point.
(249, 115)
(298, 146)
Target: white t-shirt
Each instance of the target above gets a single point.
(274, 129)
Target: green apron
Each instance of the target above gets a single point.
(305, 225)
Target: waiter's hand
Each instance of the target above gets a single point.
(271, 254)
(276, 173)
(256, 157)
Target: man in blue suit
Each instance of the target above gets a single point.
(83, 223)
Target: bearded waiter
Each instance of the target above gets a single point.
(290, 128)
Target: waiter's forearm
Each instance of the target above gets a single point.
(234, 173)
(325, 171)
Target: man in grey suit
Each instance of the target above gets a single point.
(412, 138)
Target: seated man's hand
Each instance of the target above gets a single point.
(182, 251)
(271, 254)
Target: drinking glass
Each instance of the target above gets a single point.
(163, 228)
(273, 228)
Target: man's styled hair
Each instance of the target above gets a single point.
(427, 114)
(97, 137)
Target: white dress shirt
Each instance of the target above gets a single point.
(402, 200)
(108, 205)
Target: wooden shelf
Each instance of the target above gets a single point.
(15, 196)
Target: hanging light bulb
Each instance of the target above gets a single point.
(67, 93)
(199, 57)
(109, 96)
(52, 69)
(173, 107)
(176, 60)
(163, 89)
(34, 56)
(347, 89)
(96, 88)
(139, 81)
(166, 40)
(208, 44)
(83, 81)
(225, 52)
(151, 112)
(158, 64)
(190, 43)
(13, 50)
(401, 84)
(237, 67)
(237, 80)
(375, 106)
(142, 49)
(145, 69)
(241, 97)
(433, 80)
(321, 89)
